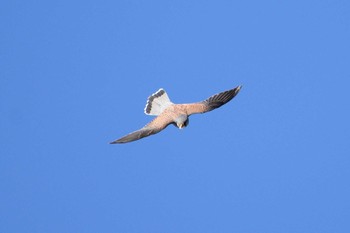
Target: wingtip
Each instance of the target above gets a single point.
(114, 142)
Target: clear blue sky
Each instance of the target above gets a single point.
(75, 75)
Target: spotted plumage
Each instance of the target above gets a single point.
(167, 113)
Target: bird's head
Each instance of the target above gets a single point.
(182, 121)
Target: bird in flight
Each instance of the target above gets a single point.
(159, 104)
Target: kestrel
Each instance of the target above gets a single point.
(159, 104)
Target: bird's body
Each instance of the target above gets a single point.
(168, 113)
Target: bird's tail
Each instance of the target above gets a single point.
(157, 102)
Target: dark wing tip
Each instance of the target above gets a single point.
(115, 142)
(128, 138)
(144, 132)
(222, 98)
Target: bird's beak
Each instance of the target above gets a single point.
(180, 126)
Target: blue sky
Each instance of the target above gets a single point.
(76, 75)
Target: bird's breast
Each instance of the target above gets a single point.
(174, 111)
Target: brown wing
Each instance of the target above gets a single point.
(212, 102)
(158, 124)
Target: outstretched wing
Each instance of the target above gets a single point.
(158, 124)
(212, 102)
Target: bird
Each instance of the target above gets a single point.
(166, 112)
